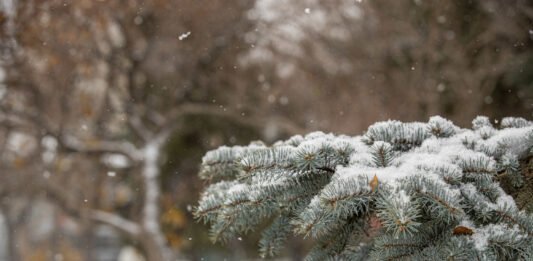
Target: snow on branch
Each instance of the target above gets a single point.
(417, 190)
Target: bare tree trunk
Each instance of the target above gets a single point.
(156, 241)
(11, 230)
(13, 250)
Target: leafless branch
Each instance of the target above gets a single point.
(211, 110)
(114, 220)
(122, 147)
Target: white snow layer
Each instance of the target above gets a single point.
(437, 159)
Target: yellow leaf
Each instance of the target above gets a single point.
(175, 218)
(19, 162)
(373, 183)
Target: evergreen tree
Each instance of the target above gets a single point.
(401, 191)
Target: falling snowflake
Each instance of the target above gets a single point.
(183, 36)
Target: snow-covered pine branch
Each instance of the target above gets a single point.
(433, 189)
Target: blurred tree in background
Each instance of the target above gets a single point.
(107, 106)
(455, 58)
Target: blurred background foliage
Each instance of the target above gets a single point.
(89, 88)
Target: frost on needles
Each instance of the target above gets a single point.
(401, 191)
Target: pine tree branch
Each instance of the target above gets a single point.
(209, 210)
(451, 209)
(400, 256)
(401, 245)
(515, 222)
(422, 195)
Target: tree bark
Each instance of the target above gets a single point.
(11, 230)
(12, 244)
(155, 241)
